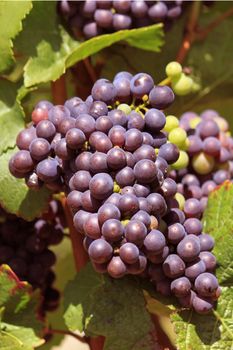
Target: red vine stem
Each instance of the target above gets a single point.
(201, 34)
(193, 33)
(65, 332)
(80, 255)
(190, 28)
(58, 89)
(90, 70)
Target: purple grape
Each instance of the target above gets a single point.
(100, 142)
(176, 233)
(139, 266)
(145, 171)
(135, 232)
(108, 211)
(103, 89)
(189, 248)
(39, 149)
(100, 251)
(193, 226)
(125, 177)
(141, 84)
(116, 158)
(75, 138)
(155, 120)
(154, 242)
(91, 227)
(173, 266)
(116, 267)
(133, 139)
(145, 152)
(112, 230)
(129, 253)
(209, 260)
(169, 152)
(135, 121)
(194, 269)
(158, 204)
(74, 201)
(98, 109)
(80, 181)
(101, 186)
(118, 117)
(86, 123)
(161, 97)
(181, 287)
(25, 137)
(206, 284)
(98, 163)
(121, 21)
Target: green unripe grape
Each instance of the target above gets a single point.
(194, 122)
(173, 69)
(171, 123)
(124, 108)
(182, 162)
(116, 187)
(182, 85)
(180, 199)
(196, 87)
(203, 163)
(178, 137)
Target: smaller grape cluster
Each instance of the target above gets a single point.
(93, 18)
(24, 246)
(210, 150)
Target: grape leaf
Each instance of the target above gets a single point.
(15, 197)
(18, 338)
(210, 332)
(11, 16)
(11, 115)
(209, 63)
(115, 309)
(146, 38)
(18, 323)
(51, 50)
(218, 222)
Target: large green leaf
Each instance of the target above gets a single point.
(218, 221)
(11, 15)
(11, 115)
(15, 197)
(209, 332)
(51, 49)
(115, 309)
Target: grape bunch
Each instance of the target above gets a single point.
(24, 246)
(210, 150)
(91, 18)
(111, 155)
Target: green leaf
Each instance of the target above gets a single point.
(115, 309)
(210, 332)
(11, 115)
(146, 38)
(11, 15)
(15, 197)
(51, 49)
(218, 222)
(18, 338)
